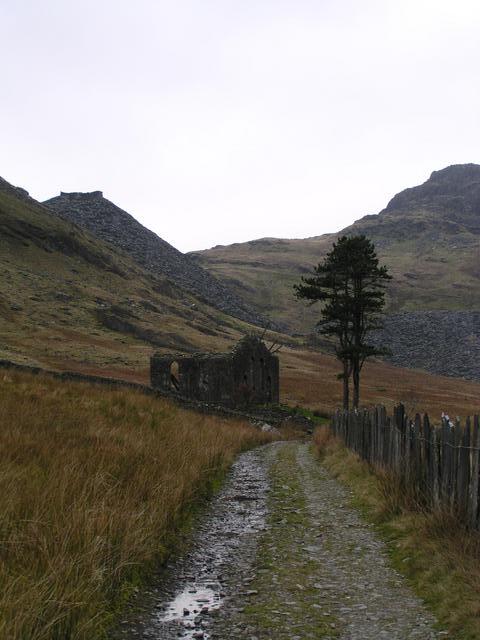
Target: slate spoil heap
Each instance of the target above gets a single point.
(110, 223)
(442, 342)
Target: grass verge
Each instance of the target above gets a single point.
(437, 555)
(94, 485)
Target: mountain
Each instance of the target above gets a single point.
(428, 235)
(111, 224)
(70, 300)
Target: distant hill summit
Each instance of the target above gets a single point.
(453, 191)
(117, 227)
(447, 204)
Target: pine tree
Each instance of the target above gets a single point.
(351, 285)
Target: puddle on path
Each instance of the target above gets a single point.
(224, 545)
(192, 601)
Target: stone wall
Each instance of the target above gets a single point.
(249, 374)
(255, 371)
(201, 377)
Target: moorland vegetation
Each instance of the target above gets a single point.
(95, 486)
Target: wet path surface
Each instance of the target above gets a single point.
(200, 581)
(282, 554)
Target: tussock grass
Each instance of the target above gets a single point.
(440, 558)
(94, 483)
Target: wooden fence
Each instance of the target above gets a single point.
(439, 464)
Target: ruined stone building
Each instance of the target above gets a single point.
(249, 374)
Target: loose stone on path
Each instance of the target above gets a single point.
(280, 553)
(365, 594)
(184, 602)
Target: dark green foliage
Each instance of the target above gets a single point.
(351, 285)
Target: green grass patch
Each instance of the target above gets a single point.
(318, 417)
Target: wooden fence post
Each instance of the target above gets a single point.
(445, 461)
(455, 440)
(435, 469)
(463, 470)
(428, 458)
(440, 466)
(417, 455)
(475, 464)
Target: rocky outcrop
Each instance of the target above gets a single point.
(452, 193)
(443, 342)
(111, 224)
(443, 212)
(18, 192)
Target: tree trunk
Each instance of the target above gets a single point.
(346, 390)
(356, 384)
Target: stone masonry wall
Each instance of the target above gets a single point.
(247, 375)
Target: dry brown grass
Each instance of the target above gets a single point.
(440, 558)
(308, 378)
(93, 485)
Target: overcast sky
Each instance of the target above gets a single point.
(220, 121)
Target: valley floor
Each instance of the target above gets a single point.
(282, 554)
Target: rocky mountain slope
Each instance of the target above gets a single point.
(111, 224)
(429, 236)
(69, 300)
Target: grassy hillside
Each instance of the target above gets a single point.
(429, 237)
(264, 272)
(68, 300)
(308, 378)
(93, 486)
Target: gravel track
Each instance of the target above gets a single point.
(200, 580)
(364, 593)
(280, 553)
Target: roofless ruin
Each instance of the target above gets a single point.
(249, 374)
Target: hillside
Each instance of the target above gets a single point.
(71, 301)
(429, 236)
(111, 224)
(264, 272)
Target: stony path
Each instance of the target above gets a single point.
(225, 538)
(364, 594)
(282, 554)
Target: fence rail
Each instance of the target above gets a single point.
(440, 464)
